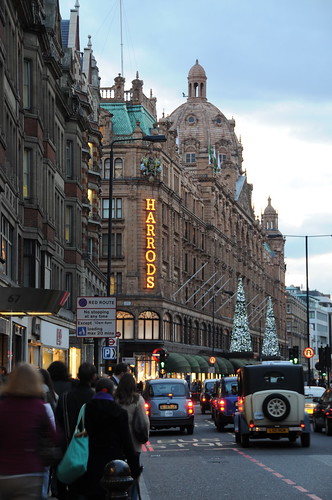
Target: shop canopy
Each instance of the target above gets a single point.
(176, 363)
(195, 367)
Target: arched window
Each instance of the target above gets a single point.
(195, 332)
(106, 173)
(177, 329)
(148, 325)
(125, 324)
(118, 168)
(167, 327)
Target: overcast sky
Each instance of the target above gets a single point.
(268, 64)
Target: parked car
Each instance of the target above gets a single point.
(168, 404)
(271, 403)
(224, 402)
(322, 415)
(312, 394)
(206, 394)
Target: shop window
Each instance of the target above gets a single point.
(125, 324)
(148, 325)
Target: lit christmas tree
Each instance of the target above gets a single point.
(270, 347)
(240, 338)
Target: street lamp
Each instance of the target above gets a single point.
(307, 283)
(148, 138)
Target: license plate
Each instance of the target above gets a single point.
(168, 413)
(279, 430)
(168, 407)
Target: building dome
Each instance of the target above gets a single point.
(197, 71)
(269, 210)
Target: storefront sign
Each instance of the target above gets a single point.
(52, 335)
(150, 254)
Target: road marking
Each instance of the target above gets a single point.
(290, 482)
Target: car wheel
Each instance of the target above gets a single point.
(315, 426)
(203, 411)
(190, 429)
(237, 438)
(276, 407)
(244, 438)
(305, 439)
(182, 428)
(292, 438)
(328, 427)
(220, 425)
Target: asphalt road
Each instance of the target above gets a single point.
(210, 464)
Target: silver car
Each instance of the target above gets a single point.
(168, 404)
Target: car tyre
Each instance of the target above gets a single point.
(305, 439)
(292, 437)
(315, 426)
(328, 427)
(220, 425)
(244, 440)
(190, 429)
(276, 407)
(203, 411)
(237, 438)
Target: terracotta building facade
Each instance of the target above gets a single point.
(184, 230)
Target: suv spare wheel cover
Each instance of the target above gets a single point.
(276, 407)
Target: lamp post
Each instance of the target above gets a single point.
(148, 138)
(307, 284)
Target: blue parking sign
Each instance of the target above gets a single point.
(81, 331)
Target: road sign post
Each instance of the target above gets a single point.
(96, 317)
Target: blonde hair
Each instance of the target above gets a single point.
(25, 380)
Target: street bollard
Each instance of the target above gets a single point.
(116, 479)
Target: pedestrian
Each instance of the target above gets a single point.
(118, 371)
(50, 401)
(66, 415)
(60, 377)
(3, 374)
(107, 426)
(23, 421)
(128, 398)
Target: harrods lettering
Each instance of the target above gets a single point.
(150, 246)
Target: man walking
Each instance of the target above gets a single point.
(118, 371)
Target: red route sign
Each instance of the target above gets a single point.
(308, 352)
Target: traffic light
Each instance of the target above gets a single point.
(296, 359)
(162, 359)
(293, 354)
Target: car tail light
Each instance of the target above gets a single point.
(222, 404)
(240, 403)
(190, 407)
(147, 408)
(251, 425)
(302, 425)
(203, 399)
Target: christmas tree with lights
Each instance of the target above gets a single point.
(240, 338)
(270, 347)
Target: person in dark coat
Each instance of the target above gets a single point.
(107, 426)
(118, 371)
(60, 377)
(66, 415)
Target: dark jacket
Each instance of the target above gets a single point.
(72, 402)
(109, 439)
(22, 421)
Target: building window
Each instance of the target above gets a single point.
(148, 326)
(190, 157)
(27, 84)
(90, 248)
(125, 324)
(107, 164)
(104, 245)
(27, 173)
(117, 208)
(116, 245)
(105, 208)
(32, 264)
(118, 168)
(7, 242)
(69, 216)
(221, 158)
(69, 289)
(69, 159)
(116, 282)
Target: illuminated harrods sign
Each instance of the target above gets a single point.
(150, 254)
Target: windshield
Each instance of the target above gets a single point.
(161, 389)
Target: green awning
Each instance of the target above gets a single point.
(239, 362)
(229, 365)
(176, 363)
(223, 368)
(204, 365)
(195, 367)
